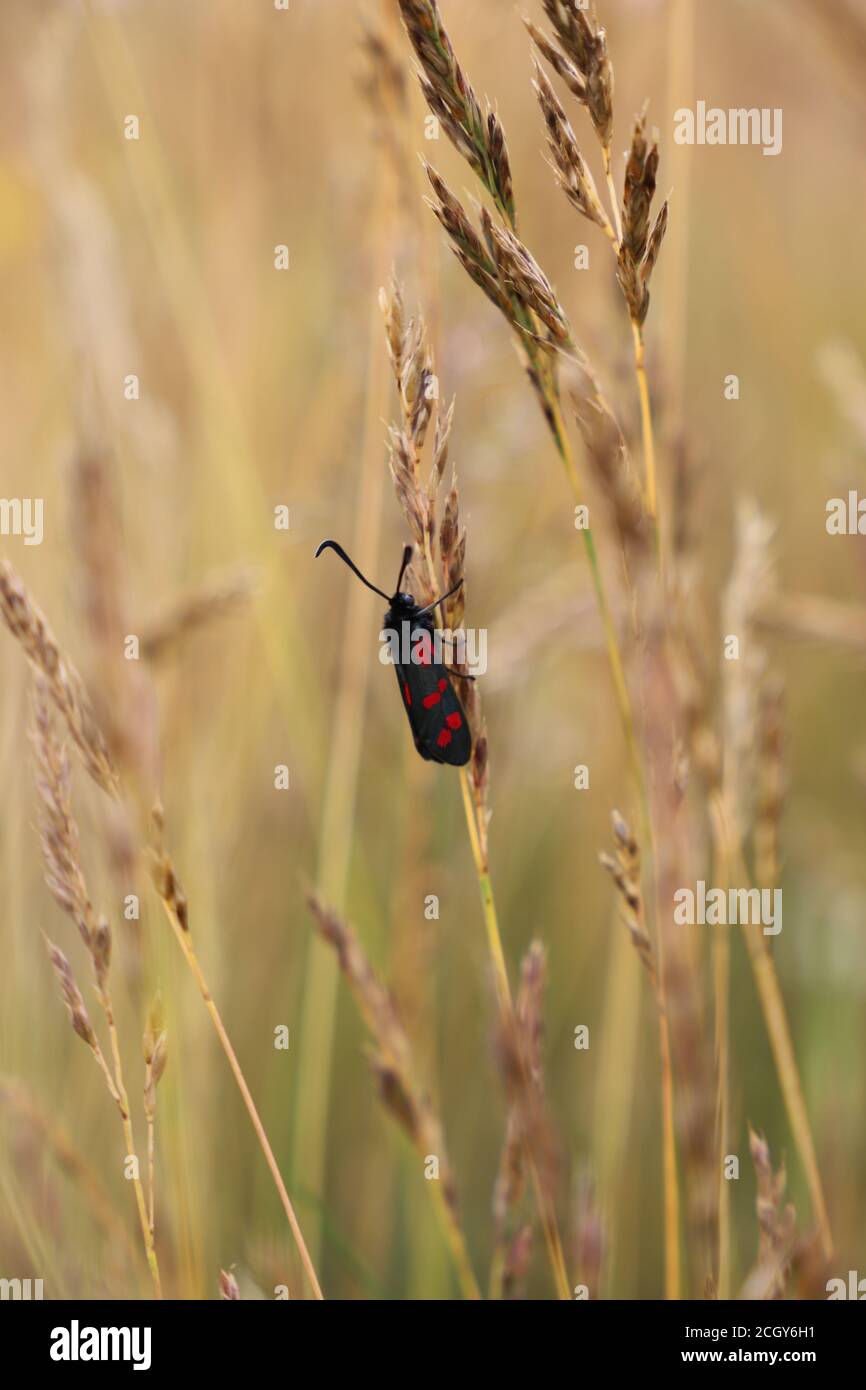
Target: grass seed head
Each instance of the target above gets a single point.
(478, 136)
(62, 681)
(584, 44)
(228, 1286)
(572, 172)
(72, 997)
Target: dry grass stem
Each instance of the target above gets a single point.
(155, 1049)
(176, 909)
(216, 596)
(530, 1146)
(394, 1069)
(624, 867)
(770, 796)
(813, 618)
(64, 875)
(384, 84)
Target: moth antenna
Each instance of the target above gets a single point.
(440, 599)
(407, 556)
(333, 545)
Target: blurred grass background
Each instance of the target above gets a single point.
(261, 387)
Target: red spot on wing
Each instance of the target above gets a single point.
(443, 685)
(430, 700)
(425, 652)
(444, 738)
(407, 693)
(454, 721)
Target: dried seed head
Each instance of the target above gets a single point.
(657, 236)
(448, 529)
(622, 834)
(160, 1057)
(414, 382)
(452, 550)
(228, 1286)
(638, 190)
(477, 136)
(530, 1009)
(624, 868)
(444, 420)
(520, 1056)
(572, 172)
(584, 43)
(62, 681)
(511, 1177)
(517, 1261)
(162, 872)
(391, 1055)
(101, 950)
(155, 1057)
(72, 997)
(403, 465)
(498, 153)
(639, 248)
(608, 454)
(558, 61)
(391, 304)
(153, 1027)
(465, 242)
(524, 279)
(396, 1098)
(776, 1226)
(590, 1236)
(58, 831)
(154, 1044)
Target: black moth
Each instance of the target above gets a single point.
(436, 716)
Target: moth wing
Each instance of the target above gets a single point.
(403, 673)
(437, 718)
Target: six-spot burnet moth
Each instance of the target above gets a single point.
(436, 716)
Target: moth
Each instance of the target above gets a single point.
(436, 717)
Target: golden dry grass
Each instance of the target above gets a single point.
(262, 388)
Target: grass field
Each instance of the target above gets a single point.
(344, 1019)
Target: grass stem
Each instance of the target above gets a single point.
(186, 946)
(547, 1216)
(649, 451)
